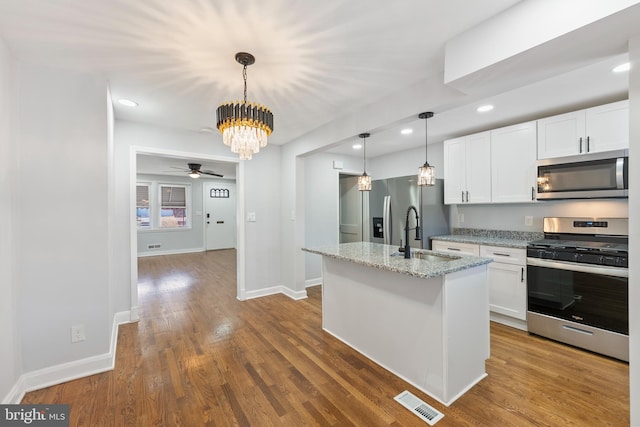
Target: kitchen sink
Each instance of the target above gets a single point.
(432, 257)
(426, 256)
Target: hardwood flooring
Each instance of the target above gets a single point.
(200, 357)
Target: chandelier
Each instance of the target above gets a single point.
(364, 180)
(244, 125)
(426, 172)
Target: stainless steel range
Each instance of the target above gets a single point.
(577, 284)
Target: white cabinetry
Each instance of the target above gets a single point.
(593, 130)
(456, 247)
(507, 277)
(513, 163)
(467, 169)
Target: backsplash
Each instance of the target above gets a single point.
(499, 234)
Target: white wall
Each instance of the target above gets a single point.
(512, 216)
(61, 235)
(634, 230)
(407, 162)
(10, 368)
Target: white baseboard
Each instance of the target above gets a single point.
(313, 282)
(296, 295)
(64, 372)
(173, 252)
(509, 321)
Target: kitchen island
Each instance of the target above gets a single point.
(425, 319)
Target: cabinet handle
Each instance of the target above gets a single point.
(454, 249)
(501, 254)
(467, 197)
(522, 275)
(462, 199)
(588, 144)
(533, 193)
(580, 145)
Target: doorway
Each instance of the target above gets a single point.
(220, 215)
(354, 211)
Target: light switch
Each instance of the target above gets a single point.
(251, 217)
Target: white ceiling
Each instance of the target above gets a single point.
(315, 61)
(164, 165)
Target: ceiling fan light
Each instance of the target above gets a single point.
(194, 174)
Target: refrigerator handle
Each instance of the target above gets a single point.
(386, 230)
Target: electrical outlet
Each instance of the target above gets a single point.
(528, 221)
(77, 333)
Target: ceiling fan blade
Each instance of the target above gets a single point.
(211, 173)
(182, 169)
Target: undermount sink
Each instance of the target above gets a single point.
(426, 256)
(432, 257)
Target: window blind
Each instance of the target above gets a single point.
(142, 195)
(174, 197)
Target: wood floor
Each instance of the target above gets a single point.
(199, 357)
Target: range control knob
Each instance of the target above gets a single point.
(577, 257)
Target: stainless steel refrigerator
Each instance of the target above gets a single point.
(389, 201)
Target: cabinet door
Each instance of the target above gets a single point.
(507, 289)
(561, 135)
(478, 168)
(608, 127)
(454, 170)
(513, 163)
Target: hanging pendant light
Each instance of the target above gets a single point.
(426, 172)
(364, 180)
(244, 126)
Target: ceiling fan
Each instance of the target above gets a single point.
(194, 171)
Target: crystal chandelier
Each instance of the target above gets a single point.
(244, 125)
(364, 180)
(426, 172)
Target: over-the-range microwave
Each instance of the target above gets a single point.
(584, 176)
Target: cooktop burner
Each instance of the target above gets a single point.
(581, 245)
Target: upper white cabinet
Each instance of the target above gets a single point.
(596, 129)
(467, 169)
(513, 163)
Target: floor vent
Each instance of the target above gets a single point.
(427, 413)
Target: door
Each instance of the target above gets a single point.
(478, 168)
(454, 171)
(561, 135)
(608, 127)
(351, 209)
(220, 215)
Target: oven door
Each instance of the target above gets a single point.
(592, 295)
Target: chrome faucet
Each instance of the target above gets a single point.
(407, 247)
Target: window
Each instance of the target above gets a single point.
(173, 206)
(142, 206)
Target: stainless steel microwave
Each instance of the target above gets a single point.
(585, 176)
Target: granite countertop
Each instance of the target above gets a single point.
(381, 256)
(507, 239)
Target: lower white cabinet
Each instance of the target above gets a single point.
(456, 247)
(507, 277)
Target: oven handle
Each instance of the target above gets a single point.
(583, 268)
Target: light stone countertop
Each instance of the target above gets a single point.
(381, 256)
(507, 239)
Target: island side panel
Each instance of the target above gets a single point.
(466, 329)
(394, 319)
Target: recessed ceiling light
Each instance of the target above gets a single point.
(406, 131)
(622, 67)
(484, 108)
(357, 146)
(127, 102)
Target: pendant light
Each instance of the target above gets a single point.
(426, 172)
(364, 180)
(244, 125)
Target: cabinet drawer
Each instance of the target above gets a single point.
(456, 247)
(505, 255)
